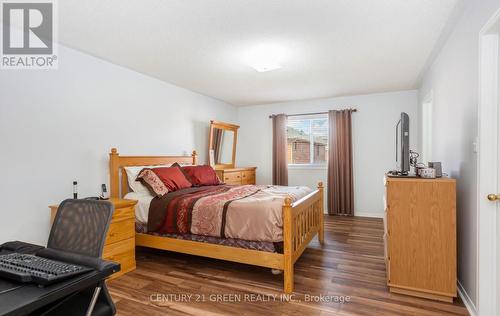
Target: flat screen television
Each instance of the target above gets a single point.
(403, 144)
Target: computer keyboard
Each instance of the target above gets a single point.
(29, 268)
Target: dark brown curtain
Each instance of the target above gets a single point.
(280, 164)
(340, 175)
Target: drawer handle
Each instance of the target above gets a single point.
(112, 235)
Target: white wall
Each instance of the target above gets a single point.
(373, 141)
(453, 80)
(58, 126)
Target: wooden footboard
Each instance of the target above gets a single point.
(302, 220)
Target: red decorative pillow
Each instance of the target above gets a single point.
(201, 175)
(151, 181)
(172, 178)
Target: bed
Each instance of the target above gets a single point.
(302, 220)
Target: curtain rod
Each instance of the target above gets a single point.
(317, 113)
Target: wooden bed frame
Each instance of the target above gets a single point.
(302, 220)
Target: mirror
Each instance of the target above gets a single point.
(222, 144)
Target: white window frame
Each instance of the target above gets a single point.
(311, 144)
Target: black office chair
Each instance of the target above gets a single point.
(78, 235)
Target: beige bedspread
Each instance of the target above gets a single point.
(244, 212)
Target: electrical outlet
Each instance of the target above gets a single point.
(475, 145)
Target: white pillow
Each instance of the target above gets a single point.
(133, 172)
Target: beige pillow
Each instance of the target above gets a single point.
(151, 181)
(133, 172)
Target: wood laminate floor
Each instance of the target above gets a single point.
(348, 270)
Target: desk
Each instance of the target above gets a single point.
(30, 298)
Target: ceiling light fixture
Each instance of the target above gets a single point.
(265, 57)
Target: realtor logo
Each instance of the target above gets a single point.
(28, 30)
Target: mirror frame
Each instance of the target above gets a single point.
(227, 127)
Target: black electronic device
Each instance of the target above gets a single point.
(403, 159)
(104, 192)
(437, 167)
(103, 196)
(75, 190)
(403, 144)
(33, 269)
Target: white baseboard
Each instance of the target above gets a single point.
(368, 214)
(469, 304)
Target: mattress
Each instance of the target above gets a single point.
(144, 200)
(141, 219)
(143, 207)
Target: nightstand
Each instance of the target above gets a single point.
(120, 241)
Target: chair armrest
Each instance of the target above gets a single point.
(96, 263)
(20, 247)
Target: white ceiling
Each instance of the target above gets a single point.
(334, 47)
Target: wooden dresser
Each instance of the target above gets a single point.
(120, 241)
(420, 237)
(237, 176)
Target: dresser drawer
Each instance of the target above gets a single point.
(121, 214)
(248, 174)
(248, 177)
(119, 249)
(220, 174)
(120, 230)
(232, 177)
(122, 252)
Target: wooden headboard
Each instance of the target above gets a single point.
(117, 162)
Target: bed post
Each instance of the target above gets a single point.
(195, 156)
(113, 173)
(288, 245)
(321, 231)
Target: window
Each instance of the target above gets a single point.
(307, 139)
